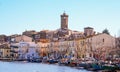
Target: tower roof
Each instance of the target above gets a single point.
(64, 14)
(88, 28)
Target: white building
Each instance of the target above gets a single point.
(28, 50)
(32, 52)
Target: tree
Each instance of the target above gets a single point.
(106, 31)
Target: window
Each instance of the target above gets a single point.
(32, 54)
(7, 51)
(103, 40)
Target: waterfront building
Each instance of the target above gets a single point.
(44, 48)
(54, 49)
(80, 46)
(117, 47)
(71, 47)
(33, 51)
(5, 51)
(99, 46)
(22, 50)
(28, 50)
(14, 50)
(63, 48)
(76, 48)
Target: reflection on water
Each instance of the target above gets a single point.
(35, 67)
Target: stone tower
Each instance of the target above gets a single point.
(64, 21)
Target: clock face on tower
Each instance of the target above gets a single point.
(64, 17)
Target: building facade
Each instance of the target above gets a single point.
(99, 46)
(3, 39)
(5, 51)
(89, 31)
(29, 33)
(23, 38)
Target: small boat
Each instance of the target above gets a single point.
(110, 67)
(96, 66)
(37, 60)
(73, 64)
(82, 64)
(63, 62)
(51, 61)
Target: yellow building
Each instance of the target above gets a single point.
(4, 51)
(44, 48)
(77, 48)
(80, 45)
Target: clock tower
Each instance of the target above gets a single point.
(64, 21)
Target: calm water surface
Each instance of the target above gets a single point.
(35, 67)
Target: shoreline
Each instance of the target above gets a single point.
(76, 67)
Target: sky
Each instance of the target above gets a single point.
(17, 16)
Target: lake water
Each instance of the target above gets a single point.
(35, 67)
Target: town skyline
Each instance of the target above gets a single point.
(59, 35)
(18, 16)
